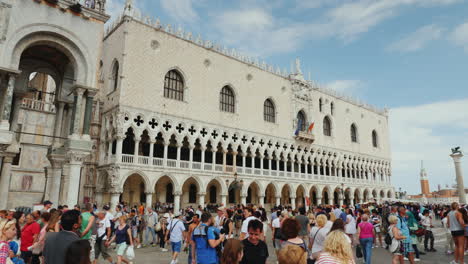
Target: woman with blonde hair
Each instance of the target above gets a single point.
(336, 250)
(292, 254)
(233, 252)
(7, 233)
(331, 219)
(318, 234)
(54, 222)
(396, 248)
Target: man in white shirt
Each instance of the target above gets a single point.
(248, 214)
(176, 228)
(199, 211)
(151, 219)
(336, 211)
(103, 233)
(426, 221)
(220, 217)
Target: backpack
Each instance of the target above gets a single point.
(388, 239)
(205, 236)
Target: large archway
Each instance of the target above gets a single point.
(270, 196)
(190, 190)
(313, 196)
(326, 196)
(286, 195)
(253, 192)
(213, 192)
(133, 190)
(300, 196)
(164, 190)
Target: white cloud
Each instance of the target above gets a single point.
(181, 10)
(418, 39)
(427, 132)
(345, 86)
(459, 36)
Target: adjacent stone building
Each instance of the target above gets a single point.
(147, 113)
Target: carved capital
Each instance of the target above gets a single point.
(76, 157)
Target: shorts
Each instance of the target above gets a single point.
(277, 244)
(458, 233)
(101, 249)
(121, 248)
(408, 248)
(92, 242)
(176, 246)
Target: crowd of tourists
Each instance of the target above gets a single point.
(230, 235)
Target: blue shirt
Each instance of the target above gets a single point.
(403, 226)
(343, 217)
(205, 253)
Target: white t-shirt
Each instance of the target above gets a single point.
(350, 227)
(102, 227)
(320, 234)
(276, 223)
(109, 216)
(329, 224)
(245, 225)
(177, 227)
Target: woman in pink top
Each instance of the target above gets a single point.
(366, 236)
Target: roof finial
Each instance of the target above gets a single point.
(128, 10)
(298, 66)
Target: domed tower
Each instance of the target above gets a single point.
(424, 181)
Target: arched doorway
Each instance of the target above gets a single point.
(300, 197)
(326, 196)
(313, 196)
(164, 190)
(190, 193)
(234, 193)
(134, 190)
(213, 192)
(286, 195)
(270, 196)
(253, 194)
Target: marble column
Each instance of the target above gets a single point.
(88, 112)
(293, 203)
(224, 160)
(5, 181)
(149, 199)
(56, 177)
(203, 149)
(201, 199)
(151, 150)
(234, 161)
(58, 123)
(76, 160)
(213, 160)
(78, 101)
(351, 201)
(114, 201)
(176, 202)
(7, 101)
(166, 146)
(459, 174)
(277, 164)
(261, 200)
(118, 150)
(223, 199)
(243, 160)
(136, 150)
(190, 156)
(179, 146)
(243, 199)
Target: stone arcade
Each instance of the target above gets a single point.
(144, 113)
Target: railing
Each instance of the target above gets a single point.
(38, 105)
(127, 158)
(183, 164)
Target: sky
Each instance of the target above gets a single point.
(410, 56)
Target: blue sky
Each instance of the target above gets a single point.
(408, 55)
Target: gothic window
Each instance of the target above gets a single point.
(327, 126)
(301, 121)
(353, 133)
(226, 102)
(320, 104)
(174, 86)
(269, 114)
(169, 194)
(332, 108)
(115, 76)
(192, 193)
(375, 140)
(213, 194)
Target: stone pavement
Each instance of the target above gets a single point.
(379, 255)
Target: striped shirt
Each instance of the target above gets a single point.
(4, 252)
(326, 258)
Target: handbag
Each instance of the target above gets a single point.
(130, 253)
(420, 232)
(359, 251)
(157, 228)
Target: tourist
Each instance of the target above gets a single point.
(376, 221)
(29, 234)
(413, 226)
(103, 233)
(248, 215)
(366, 234)
(449, 245)
(290, 229)
(337, 211)
(175, 234)
(238, 221)
(7, 233)
(20, 219)
(47, 206)
(56, 244)
(195, 221)
(403, 227)
(426, 222)
(123, 238)
(151, 219)
(79, 252)
(54, 221)
(340, 225)
(292, 254)
(350, 227)
(204, 242)
(318, 235)
(88, 223)
(336, 250)
(233, 252)
(276, 232)
(304, 224)
(38, 245)
(255, 249)
(227, 225)
(162, 232)
(456, 224)
(396, 248)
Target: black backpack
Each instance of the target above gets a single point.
(388, 239)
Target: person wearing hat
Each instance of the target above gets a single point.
(220, 217)
(175, 233)
(47, 206)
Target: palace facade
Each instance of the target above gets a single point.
(145, 113)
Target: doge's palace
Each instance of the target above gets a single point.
(143, 112)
